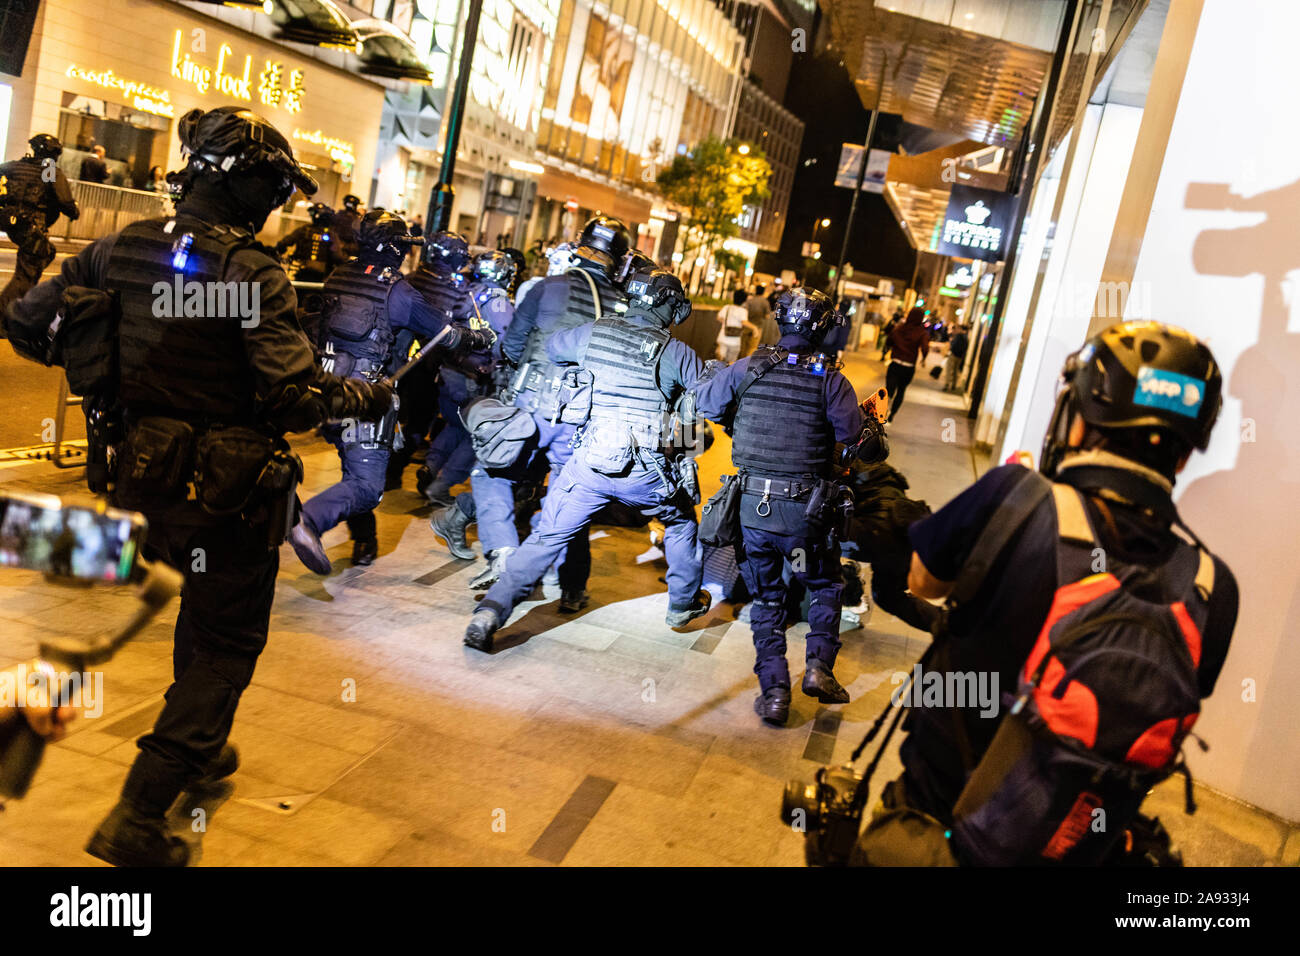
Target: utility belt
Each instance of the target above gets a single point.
(379, 434)
(226, 470)
(826, 500)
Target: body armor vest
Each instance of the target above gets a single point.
(446, 293)
(313, 245)
(21, 188)
(180, 336)
(627, 405)
(781, 427)
(579, 309)
(357, 337)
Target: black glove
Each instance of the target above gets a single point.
(380, 399)
(460, 339)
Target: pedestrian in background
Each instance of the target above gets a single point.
(957, 348)
(93, 167)
(760, 313)
(909, 341)
(732, 320)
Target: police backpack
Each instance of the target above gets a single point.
(499, 433)
(1103, 704)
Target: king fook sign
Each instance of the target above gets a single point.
(976, 223)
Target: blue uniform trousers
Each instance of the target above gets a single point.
(360, 489)
(451, 456)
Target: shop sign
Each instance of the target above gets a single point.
(976, 223)
(339, 150)
(275, 86)
(145, 98)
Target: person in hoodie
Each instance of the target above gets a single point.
(909, 342)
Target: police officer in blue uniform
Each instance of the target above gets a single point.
(638, 374)
(346, 222)
(788, 389)
(583, 293)
(211, 385)
(315, 251)
(484, 304)
(366, 302)
(33, 192)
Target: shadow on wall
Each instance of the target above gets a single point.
(1250, 515)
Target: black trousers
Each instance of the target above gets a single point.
(897, 378)
(35, 252)
(229, 584)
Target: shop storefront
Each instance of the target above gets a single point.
(119, 73)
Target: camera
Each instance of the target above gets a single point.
(829, 813)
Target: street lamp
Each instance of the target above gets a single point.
(817, 224)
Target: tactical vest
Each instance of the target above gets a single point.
(627, 405)
(579, 309)
(180, 337)
(445, 293)
(21, 186)
(357, 339)
(781, 426)
(314, 246)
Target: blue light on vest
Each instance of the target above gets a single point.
(792, 359)
(181, 251)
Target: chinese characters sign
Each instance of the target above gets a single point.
(275, 86)
(976, 223)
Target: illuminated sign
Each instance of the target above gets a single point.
(976, 223)
(339, 150)
(275, 87)
(145, 98)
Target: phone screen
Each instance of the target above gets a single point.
(40, 533)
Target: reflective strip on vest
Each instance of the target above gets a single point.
(781, 425)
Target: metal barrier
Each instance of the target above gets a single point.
(106, 209)
(66, 400)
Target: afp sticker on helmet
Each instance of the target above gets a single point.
(1171, 391)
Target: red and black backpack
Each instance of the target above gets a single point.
(1104, 702)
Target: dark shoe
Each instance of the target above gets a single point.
(423, 478)
(449, 525)
(306, 544)
(678, 617)
(819, 682)
(365, 552)
(571, 602)
(489, 575)
(128, 838)
(482, 626)
(225, 765)
(773, 705)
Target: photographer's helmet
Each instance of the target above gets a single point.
(493, 268)
(807, 313)
(659, 293)
(605, 241)
(1154, 387)
(351, 203)
(45, 146)
(384, 237)
(560, 259)
(447, 251)
(231, 139)
(321, 214)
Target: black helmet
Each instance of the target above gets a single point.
(45, 146)
(634, 262)
(605, 240)
(232, 139)
(320, 213)
(659, 292)
(1146, 379)
(495, 268)
(805, 312)
(351, 202)
(383, 235)
(448, 250)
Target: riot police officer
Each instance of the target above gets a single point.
(638, 375)
(33, 192)
(486, 303)
(586, 291)
(202, 402)
(788, 389)
(366, 302)
(346, 223)
(315, 251)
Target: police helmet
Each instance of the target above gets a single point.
(634, 262)
(604, 240)
(659, 292)
(351, 202)
(805, 312)
(448, 250)
(45, 146)
(1153, 390)
(321, 214)
(494, 268)
(232, 139)
(383, 235)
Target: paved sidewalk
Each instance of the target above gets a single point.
(371, 736)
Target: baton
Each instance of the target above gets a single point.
(419, 356)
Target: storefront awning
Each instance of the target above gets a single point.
(388, 52)
(317, 22)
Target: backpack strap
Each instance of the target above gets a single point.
(1205, 575)
(595, 293)
(1021, 501)
(1071, 518)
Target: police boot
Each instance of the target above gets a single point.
(773, 705)
(364, 552)
(489, 575)
(306, 544)
(819, 682)
(128, 837)
(571, 602)
(449, 527)
(680, 616)
(482, 626)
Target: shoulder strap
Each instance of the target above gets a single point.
(1071, 519)
(595, 293)
(1021, 501)
(756, 370)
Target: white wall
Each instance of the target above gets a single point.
(1222, 254)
